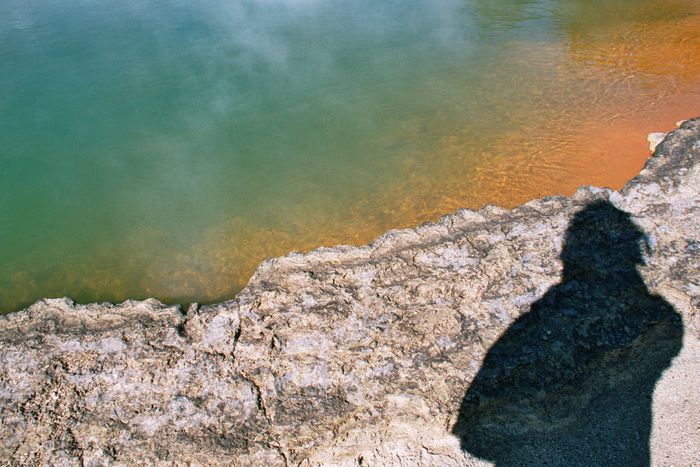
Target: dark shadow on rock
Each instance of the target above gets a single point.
(571, 382)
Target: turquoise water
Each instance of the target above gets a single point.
(153, 148)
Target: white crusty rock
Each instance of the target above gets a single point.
(565, 330)
(655, 138)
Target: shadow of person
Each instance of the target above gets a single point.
(571, 381)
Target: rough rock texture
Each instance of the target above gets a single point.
(364, 355)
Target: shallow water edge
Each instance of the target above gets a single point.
(384, 244)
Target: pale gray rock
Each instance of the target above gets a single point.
(360, 355)
(654, 139)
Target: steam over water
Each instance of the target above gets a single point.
(153, 148)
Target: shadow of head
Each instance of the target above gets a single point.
(571, 381)
(600, 240)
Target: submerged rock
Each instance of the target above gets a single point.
(537, 334)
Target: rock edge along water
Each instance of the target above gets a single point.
(345, 355)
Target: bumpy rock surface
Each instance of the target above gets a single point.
(364, 355)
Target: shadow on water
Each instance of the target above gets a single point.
(571, 381)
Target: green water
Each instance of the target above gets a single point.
(153, 148)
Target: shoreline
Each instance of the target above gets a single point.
(362, 355)
(654, 139)
(217, 267)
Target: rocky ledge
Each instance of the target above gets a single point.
(562, 332)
